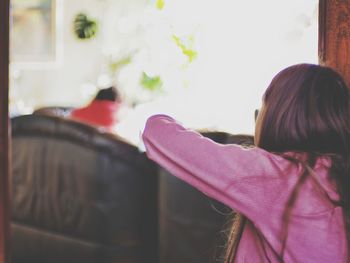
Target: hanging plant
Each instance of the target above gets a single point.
(185, 44)
(85, 27)
(160, 4)
(151, 83)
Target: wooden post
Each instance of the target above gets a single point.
(334, 35)
(5, 252)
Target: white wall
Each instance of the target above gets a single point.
(80, 63)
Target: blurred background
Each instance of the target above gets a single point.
(207, 63)
(80, 193)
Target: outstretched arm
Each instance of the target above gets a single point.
(247, 180)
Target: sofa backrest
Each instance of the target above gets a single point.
(80, 195)
(53, 111)
(193, 227)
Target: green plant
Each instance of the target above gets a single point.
(150, 83)
(115, 65)
(85, 27)
(160, 4)
(185, 44)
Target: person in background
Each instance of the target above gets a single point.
(101, 111)
(293, 188)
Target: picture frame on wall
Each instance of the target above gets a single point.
(35, 37)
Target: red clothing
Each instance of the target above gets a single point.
(98, 112)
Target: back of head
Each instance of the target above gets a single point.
(110, 93)
(305, 108)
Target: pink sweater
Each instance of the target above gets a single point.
(257, 184)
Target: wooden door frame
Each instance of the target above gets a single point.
(321, 30)
(334, 36)
(5, 241)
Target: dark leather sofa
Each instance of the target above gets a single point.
(193, 227)
(80, 195)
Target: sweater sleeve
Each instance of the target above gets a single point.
(247, 180)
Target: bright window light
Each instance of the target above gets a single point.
(215, 58)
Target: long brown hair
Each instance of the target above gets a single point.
(306, 108)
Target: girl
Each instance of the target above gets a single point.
(293, 187)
